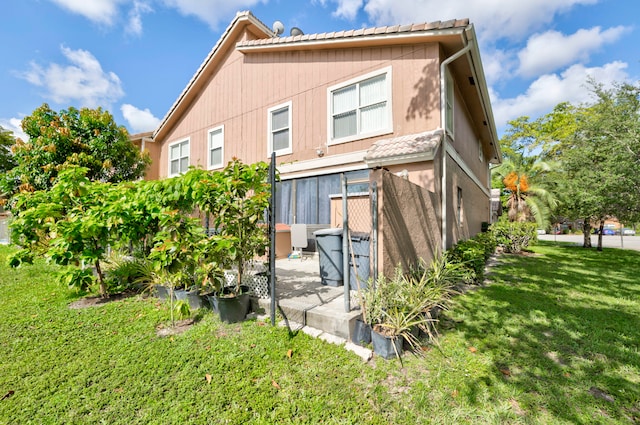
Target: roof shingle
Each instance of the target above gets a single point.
(362, 32)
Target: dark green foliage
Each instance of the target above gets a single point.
(7, 161)
(87, 138)
(474, 253)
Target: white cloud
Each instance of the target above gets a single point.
(82, 80)
(212, 11)
(498, 65)
(493, 18)
(140, 120)
(347, 9)
(550, 89)
(14, 125)
(552, 50)
(134, 25)
(100, 11)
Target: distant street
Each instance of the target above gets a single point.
(608, 241)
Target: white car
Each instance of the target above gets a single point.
(628, 232)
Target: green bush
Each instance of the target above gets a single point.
(471, 255)
(474, 253)
(514, 236)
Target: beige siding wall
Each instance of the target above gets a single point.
(243, 88)
(467, 143)
(475, 206)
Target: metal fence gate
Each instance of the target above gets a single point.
(359, 238)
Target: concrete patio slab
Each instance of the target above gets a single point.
(303, 299)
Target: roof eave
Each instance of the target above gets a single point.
(302, 43)
(241, 20)
(401, 159)
(483, 91)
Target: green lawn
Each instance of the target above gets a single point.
(555, 339)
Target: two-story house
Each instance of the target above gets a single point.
(408, 102)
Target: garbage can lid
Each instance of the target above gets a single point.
(334, 231)
(360, 236)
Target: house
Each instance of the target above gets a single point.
(405, 106)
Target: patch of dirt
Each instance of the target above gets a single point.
(180, 327)
(555, 357)
(98, 301)
(516, 407)
(602, 395)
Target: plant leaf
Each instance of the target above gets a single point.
(290, 353)
(275, 384)
(208, 378)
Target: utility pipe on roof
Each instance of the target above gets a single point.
(443, 121)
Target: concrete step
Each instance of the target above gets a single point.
(329, 317)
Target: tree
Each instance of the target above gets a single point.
(528, 193)
(7, 162)
(598, 145)
(87, 138)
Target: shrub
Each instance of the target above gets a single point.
(474, 253)
(514, 236)
(471, 255)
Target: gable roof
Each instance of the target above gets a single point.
(452, 35)
(241, 20)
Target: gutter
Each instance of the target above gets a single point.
(443, 120)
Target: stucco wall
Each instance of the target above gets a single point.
(409, 222)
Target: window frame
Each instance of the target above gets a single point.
(270, 132)
(211, 131)
(387, 72)
(186, 140)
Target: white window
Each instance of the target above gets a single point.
(216, 147)
(480, 151)
(360, 108)
(178, 157)
(449, 104)
(280, 129)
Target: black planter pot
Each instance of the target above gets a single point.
(361, 333)
(231, 309)
(162, 292)
(192, 297)
(384, 345)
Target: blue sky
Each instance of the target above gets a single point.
(134, 57)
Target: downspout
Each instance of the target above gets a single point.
(443, 121)
(142, 143)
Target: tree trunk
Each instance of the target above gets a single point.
(103, 286)
(600, 230)
(586, 232)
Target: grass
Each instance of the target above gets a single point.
(554, 339)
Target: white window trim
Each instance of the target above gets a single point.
(188, 140)
(388, 129)
(211, 166)
(480, 151)
(288, 150)
(450, 109)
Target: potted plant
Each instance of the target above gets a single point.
(236, 198)
(172, 254)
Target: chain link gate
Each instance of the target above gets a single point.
(360, 238)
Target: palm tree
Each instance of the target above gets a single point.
(525, 184)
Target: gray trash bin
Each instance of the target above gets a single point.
(329, 246)
(361, 254)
